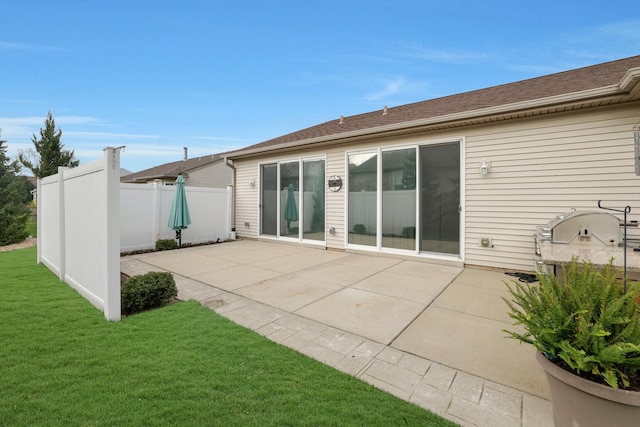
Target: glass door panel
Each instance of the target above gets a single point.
(314, 195)
(362, 199)
(440, 198)
(289, 199)
(399, 199)
(269, 199)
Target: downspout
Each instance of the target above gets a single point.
(230, 164)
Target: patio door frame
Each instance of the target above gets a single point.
(460, 256)
(301, 202)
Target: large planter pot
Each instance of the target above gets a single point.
(580, 402)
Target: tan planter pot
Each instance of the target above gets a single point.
(580, 402)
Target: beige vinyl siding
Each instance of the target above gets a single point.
(247, 199)
(336, 200)
(216, 175)
(540, 168)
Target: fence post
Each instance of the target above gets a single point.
(156, 210)
(38, 222)
(62, 247)
(112, 229)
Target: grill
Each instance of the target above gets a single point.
(580, 228)
(595, 236)
(583, 228)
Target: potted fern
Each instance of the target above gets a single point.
(586, 329)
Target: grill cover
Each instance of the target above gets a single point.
(595, 228)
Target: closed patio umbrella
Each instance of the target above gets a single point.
(291, 210)
(179, 218)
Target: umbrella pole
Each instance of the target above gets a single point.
(179, 237)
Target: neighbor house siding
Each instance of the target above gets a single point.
(540, 167)
(217, 175)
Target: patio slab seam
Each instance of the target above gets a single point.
(427, 306)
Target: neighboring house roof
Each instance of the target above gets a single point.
(170, 171)
(602, 84)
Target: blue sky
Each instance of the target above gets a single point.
(213, 76)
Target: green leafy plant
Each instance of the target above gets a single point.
(147, 291)
(583, 321)
(166, 244)
(359, 229)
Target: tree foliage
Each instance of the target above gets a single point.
(13, 211)
(49, 151)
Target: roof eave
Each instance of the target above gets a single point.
(629, 85)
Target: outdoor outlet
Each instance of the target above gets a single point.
(246, 224)
(332, 230)
(485, 242)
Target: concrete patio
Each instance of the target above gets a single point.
(427, 333)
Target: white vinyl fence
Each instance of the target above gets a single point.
(144, 214)
(86, 218)
(395, 217)
(79, 229)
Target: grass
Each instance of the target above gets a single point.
(32, 228)
(63, 364)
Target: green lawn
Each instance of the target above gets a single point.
(32, 228)
(64, 365)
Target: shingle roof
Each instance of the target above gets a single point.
(171, 170)
(567, 82)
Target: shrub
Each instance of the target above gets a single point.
(359, 229)
(147, 291)
(166, 244)
(583, 321)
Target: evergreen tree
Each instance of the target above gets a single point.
(49, 152)
(13, 212)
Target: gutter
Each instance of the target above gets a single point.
(626, 86)
(233, 198)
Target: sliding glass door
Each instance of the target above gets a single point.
(313, 184)
(269, 199)
(406, 199)
(440, 198)
(289, 199)
(363, 188)
(285, 210)
(399, 199)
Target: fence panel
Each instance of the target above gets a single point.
(363, 205)
(49, 236)
(79, 235)
(138, 222)
(145, 209)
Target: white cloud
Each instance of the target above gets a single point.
(620, 31)
(417, 51)
(397, 87)
(107, 135)
(577, 49)
(5, 45)
(390, 87)
(31, 124)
